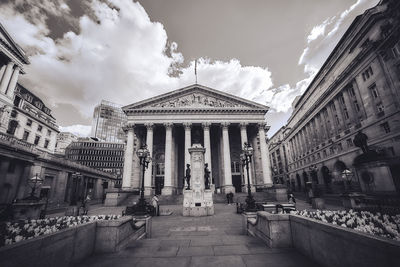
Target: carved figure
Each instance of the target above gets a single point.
(206, 176)
(187, 176)
(360, 140)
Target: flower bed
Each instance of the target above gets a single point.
(12, 232)
(378, 224)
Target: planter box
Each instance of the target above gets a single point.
(335, 246)
(273, 229)
(70, 246)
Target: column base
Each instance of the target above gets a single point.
(168, 190)
(252, 187)
(227, 188)
(148, 191)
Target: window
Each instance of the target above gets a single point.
(351, 92)
(385, 127)
(39, 128)
(374, 91)
(346, 114)
(349, 142)
(341, 99)
(367, 73)
(37, 139)
(46, 143)
(356, 106)
(29, 122)
(25, 136)
(331, 150)
(340, 147)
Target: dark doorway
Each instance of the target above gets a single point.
(159, 184)
(298, 182)
(237, 183)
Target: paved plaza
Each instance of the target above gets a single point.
(199, 241)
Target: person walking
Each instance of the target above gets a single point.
(154, 201)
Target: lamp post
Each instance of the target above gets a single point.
(347, 175)
(34, 181)
(245, 157)
(144, 155)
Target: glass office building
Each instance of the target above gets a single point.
(108, 119)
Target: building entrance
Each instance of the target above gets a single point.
(237, 183)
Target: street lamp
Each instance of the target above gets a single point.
(245, 157)
(347, 175)
(144, 155)
(34, 182)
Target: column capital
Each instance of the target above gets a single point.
(243, 125)
(187, 125)
(149, 125)
(206, 125)
(225, 124)
(168, 125)
(128, 127)
(263, 126)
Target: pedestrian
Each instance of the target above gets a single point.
(231, 197)
(292, 200)
(86, 204)
(227, 198)
(154, 201)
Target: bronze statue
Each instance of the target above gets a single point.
(360, 140)
(187, 176)
(206, 176)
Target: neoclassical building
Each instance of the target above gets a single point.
(170, 123)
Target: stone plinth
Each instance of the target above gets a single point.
(197, 201)
(27, 210)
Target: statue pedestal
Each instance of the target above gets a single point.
(197, 201)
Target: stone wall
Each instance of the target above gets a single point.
(335, 246)
(326, 244)
(72, 245)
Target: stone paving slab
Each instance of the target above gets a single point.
(195, 251)
(288, 259)
(218, 261)
(200, 241)
(230, 250)
(162, 262)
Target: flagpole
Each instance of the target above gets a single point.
(195, 69)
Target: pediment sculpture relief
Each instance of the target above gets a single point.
(196, 100)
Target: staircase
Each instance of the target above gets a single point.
(218, 198)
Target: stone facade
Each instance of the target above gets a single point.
(170, 123)
(357, 89)
(277, 154)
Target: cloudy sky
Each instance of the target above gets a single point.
(83, 51)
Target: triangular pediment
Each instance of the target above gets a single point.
(195, 97)
(6, 39)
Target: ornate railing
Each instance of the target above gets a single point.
(11, 141)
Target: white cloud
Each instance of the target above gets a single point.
(122, 57)
(319, 30)
(79, 130)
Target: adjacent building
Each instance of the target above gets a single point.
(12, 62)
(105, 156)
(171, 123)
(64, 139)
(31, 120)
(108, 120)
(277, 155)
(356, 89)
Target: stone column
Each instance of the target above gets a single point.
(188, 144)
(128, 158)
(244, 139)
(349, 106)
(2, 70)
(13, 82)
(207, 146)
(227, 186)
(265, 161)
(149, 142)
(167, 190)
(6, 77)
